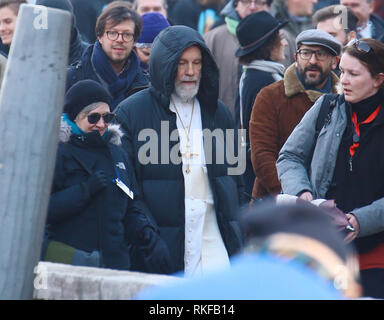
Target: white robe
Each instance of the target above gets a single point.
(204, 246)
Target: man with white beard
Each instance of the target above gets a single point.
(191, 192)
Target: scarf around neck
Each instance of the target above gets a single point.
(231, 24)
(275, 68)
(118, 84)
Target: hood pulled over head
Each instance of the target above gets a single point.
(167, 49)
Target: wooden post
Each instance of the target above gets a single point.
(31, 102)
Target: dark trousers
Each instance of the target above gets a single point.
(372, 281)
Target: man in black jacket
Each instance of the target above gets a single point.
(111, 60)
(192, 191)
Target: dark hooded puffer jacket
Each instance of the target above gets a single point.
(163, 184)
(108, 221)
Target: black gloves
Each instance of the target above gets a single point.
(96, 182)
(153, 252)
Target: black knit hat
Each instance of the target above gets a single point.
(82, 94)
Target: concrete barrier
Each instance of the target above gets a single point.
(31, 103)
(54, 281)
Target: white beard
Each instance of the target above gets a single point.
(187, 92)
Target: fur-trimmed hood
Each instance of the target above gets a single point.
(293, 85)
(114, 129)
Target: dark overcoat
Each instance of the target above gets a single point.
(108, 221)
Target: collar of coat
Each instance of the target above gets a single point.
(293, 85)
(114, 129)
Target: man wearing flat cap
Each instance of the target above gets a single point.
(279, 107)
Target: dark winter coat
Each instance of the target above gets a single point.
(77, 47)
(106, 221)
(84, 69)
(254, 79)
(378, 26)
(163, 184)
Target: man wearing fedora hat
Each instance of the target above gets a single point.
(279, 107)
(261, 49)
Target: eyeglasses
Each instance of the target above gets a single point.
(306, 54)
(361, 46)
(95, 117)
(114, 35)
(256, 2)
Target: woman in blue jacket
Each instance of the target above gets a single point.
(95, 214)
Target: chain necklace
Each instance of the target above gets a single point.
(188, 153)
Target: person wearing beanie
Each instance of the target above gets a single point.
(153, 23)
(223, 43)
(96, 215)
(82, 94)
(111, 60)
(77, 45)
(279, 107)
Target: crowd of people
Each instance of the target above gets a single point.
(182, 118)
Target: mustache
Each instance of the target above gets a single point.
(312, 68)
(188, 79)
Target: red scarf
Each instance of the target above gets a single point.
(372, 116)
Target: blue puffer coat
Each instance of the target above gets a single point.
(107, 221)
(163, 184)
